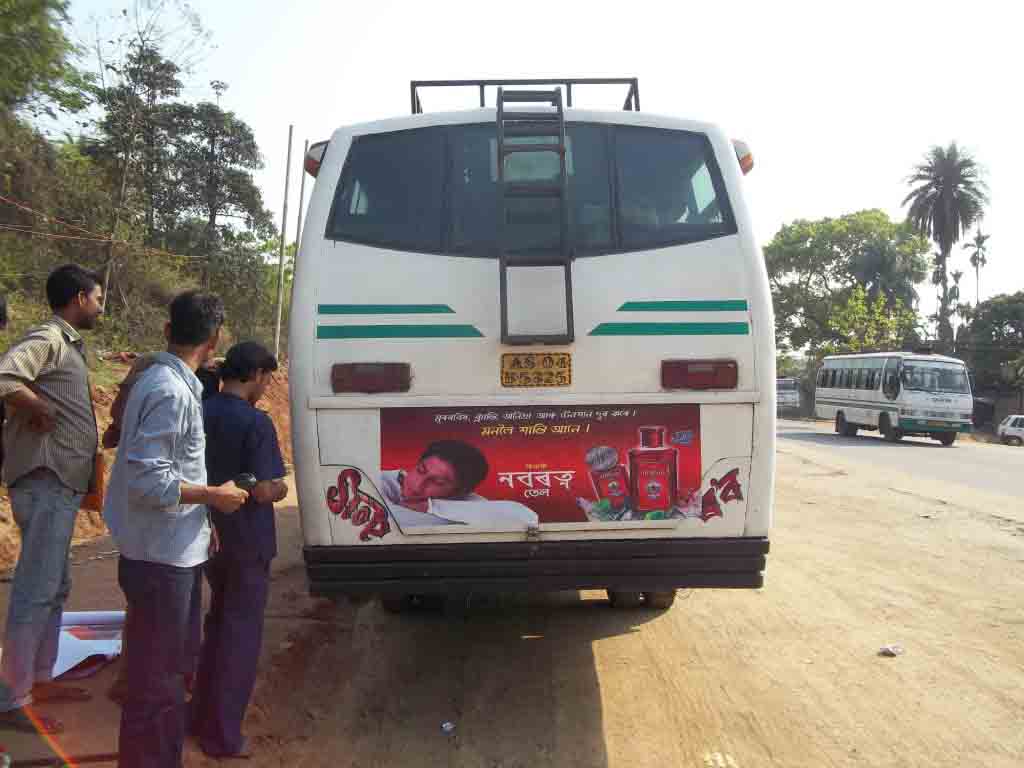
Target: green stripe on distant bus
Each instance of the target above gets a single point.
(397, 332)
(671, 329)
(865, 404)
(725, 305)
(384, 309)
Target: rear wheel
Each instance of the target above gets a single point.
(889, 432)
(1018, 441)
(660, 601)
(947, 438)
(622, 599)
(845, 428)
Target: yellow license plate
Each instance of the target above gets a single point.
(536, 369)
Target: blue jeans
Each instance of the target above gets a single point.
(160, 610)
(231, 650)
(45, 510)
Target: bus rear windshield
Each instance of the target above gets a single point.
(435, 190)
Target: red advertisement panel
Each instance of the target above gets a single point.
(500, 467)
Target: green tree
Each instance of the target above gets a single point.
(813, 266)
(948, 195)
(866, 324)
(979, 258)
(138, 128)
(36, 57)
(216, 154)
(995, 337)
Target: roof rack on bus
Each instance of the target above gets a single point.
(632, 97)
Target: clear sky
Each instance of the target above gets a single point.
(837, 100)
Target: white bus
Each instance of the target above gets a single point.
(531, 349)
(896, 393)
(787, 394)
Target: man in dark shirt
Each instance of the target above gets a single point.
(239, 439)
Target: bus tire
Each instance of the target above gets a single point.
(947, 438)
(660, 601)
(889, 432)
(845, 428)
(623, 599)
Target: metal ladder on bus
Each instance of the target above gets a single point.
(543, 125)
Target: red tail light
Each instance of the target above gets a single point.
(371, 377)
(699, 374)
(314, 157)
(744, 155)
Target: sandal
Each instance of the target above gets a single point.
(55, 692)
(244, 753)
(21, 719)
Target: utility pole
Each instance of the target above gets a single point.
(302, 195)
(280, 250)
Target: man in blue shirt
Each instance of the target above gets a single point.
(156, 509)
(240, 439)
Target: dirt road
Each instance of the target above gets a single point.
(787, 676)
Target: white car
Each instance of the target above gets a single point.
(1011, 430)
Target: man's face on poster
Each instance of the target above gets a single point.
(431, 478)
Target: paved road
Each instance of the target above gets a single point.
(979, 466)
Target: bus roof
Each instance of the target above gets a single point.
(489, 115)
(903, 355)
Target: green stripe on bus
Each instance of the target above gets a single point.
(384, 309)
(726, 305)
(671, 329)
(856, 404)
(397, 332)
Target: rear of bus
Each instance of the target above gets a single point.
(621, 438)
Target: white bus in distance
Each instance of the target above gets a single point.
(896, 393)
(787, 394)
(532, 348)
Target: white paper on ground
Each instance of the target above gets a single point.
(85, 634)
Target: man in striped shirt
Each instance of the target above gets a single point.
(50, 442)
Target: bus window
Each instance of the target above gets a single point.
(935, 377)
(533, 223)
(669, 188)
(388, 194)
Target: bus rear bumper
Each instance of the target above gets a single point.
(635, 564)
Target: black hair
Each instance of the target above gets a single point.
(469, 464)
(195, 317)
(65, 283)
(210, 379)
(246, 359)
(3, 312)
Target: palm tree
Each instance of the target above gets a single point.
(947, 197)
(979, 258)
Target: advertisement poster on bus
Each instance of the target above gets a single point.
(513, 467)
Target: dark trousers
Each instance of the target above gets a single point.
(232, 636)
(160, 600)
